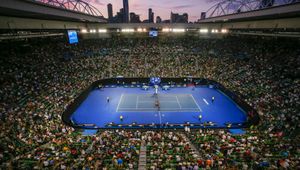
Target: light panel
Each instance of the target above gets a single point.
(178, 30)
(127, 30)
(203, 30)
(83, 31)
(102, 30)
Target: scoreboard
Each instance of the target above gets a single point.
(72, 36)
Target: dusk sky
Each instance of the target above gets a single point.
(160, 8)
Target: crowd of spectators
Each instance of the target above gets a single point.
(168, 150)
(40, 78)
(106, 150)
(252, 150)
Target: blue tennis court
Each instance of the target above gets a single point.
(175, 106)
(167, 103)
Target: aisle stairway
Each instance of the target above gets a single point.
(191, 144)
(142, 158)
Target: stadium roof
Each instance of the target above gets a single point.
(38, 10)
(276, 12)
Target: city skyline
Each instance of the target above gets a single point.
(140, 7)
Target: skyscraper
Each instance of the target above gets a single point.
(185, 18)
(126, 11)
(109, 12)
(176, 18)
(150, 16)
(158, 19)
(203, 15)
(134, 18)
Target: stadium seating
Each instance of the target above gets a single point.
(41, 77)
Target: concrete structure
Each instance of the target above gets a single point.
(29, 23)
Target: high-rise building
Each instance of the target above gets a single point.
(118, 18)
(150, 16)
(109, 12)
(176, 18)
(158, 19)
(126, 11)
(203, 15)
(173, 17)
(134, 18)
(185, 18)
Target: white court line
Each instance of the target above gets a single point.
(119, 102)
(178, 102)
(168, 111)
(159, 117)
(140, 108)
(168, 101)
(153, 108)
(159, 101)
(205, 101)
(196, 103)
(145, 101)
